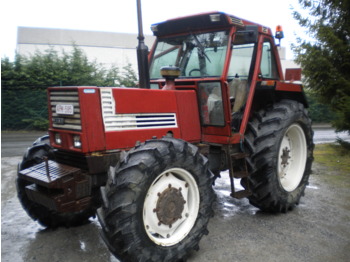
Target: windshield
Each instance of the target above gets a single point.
(197, 55)
(241, 58)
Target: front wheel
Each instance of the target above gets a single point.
(279, 142)
(158, 202)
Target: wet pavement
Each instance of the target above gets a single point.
(327, 135)
(16, 143)
(317, 230)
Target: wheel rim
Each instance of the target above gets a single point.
(171, 207)
(292, 158)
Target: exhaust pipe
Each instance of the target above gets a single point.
(142, 53)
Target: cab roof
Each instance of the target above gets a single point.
(205, 21)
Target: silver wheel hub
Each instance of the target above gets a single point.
(292, 158)
(171, 207)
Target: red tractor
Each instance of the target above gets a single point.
(212, 97)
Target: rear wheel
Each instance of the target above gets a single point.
(158, 202)
(37, 212)
(279, 142)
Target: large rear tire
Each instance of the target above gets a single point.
(45, 216)
(157, 203)
(279, 142)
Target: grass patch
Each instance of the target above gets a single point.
(334, 156)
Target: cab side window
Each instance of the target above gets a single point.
(212, 111)
(268, 65)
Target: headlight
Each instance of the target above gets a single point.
(76, 141)
(58, 139)
(215, 18)
(154, 28)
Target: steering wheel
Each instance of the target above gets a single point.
(193, 70)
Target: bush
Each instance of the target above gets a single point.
(24, 83)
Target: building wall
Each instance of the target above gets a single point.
(286, 63)
(106, 48)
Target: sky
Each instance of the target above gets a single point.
(121, 15)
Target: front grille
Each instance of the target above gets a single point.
(68, 120)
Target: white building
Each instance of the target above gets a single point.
(106, 48)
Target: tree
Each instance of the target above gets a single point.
(319, 113)
(129, 77)
(325, 57)
(24, 83)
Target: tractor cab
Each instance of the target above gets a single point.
(223, 58)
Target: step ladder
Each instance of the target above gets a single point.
(238, 170)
